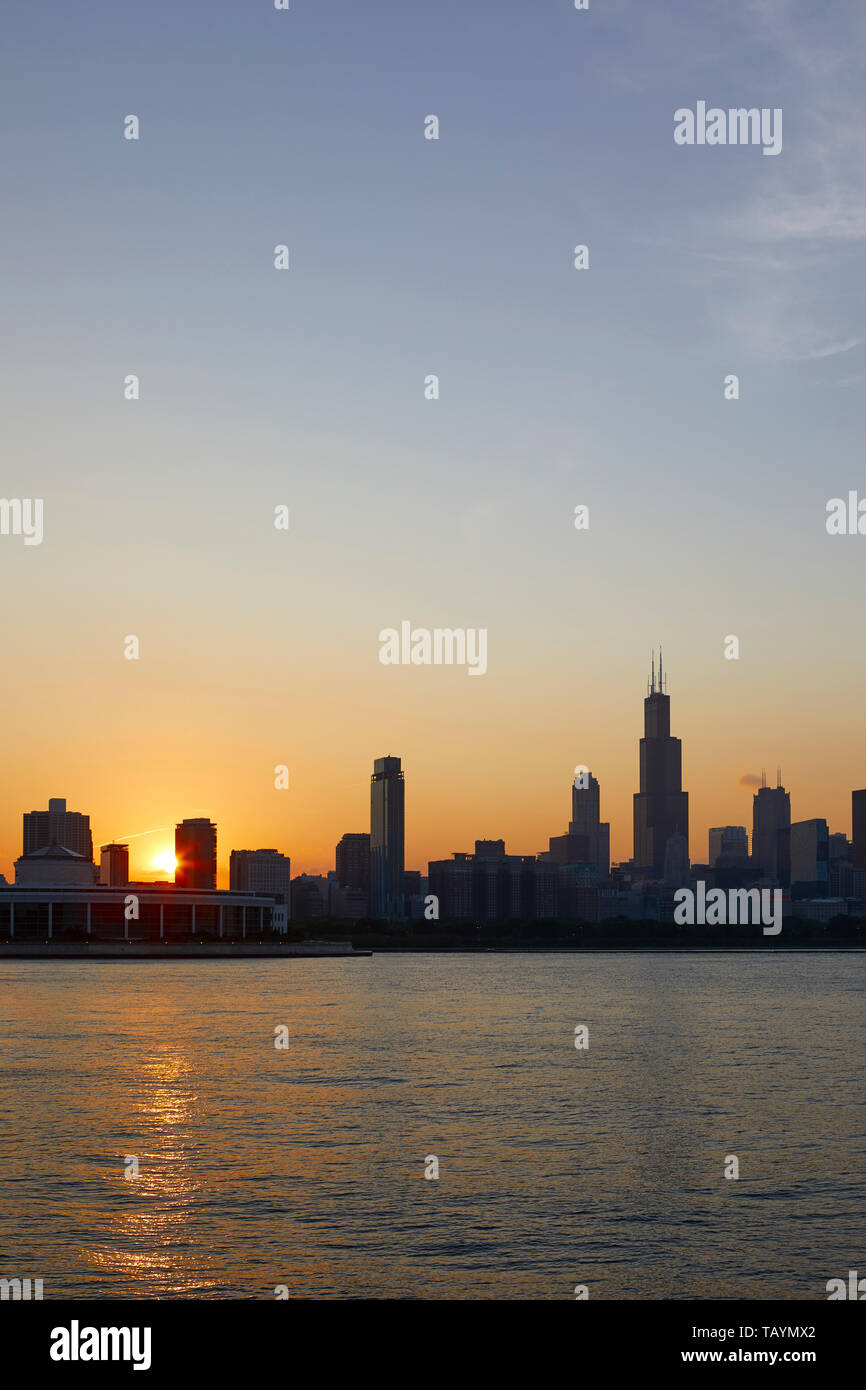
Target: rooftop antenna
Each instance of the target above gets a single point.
(778, 777)
(661, 679)
(763, 778)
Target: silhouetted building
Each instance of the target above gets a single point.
(348, 904)
(311, 897)
(810, 874)
(196, 853)
(32, 911)
(415, 894)
(492, 886)
(412, 882)
(730, 840)
(54, 866)
(261, 871)
(661, 807)
(387, 832)
(57, 826)
(839, 849)
(676, 871)
(114, 866)
(577, 892)
(858, 829)
(588, 838)
(771, 812)
(452, 882)
(847, 882)
(353, 862)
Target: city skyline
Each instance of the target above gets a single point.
(560, 387)
(661, 785)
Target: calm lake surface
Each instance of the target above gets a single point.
(557, 1167)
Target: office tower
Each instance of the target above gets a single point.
(771, 812)
(261, 871)
(661, 807)
(783, 856)
(195, 852)
(311, 897)
(840, 869)
(858, 829)
(588, 838)
(353, 862)
(114, 866)
(387, 827)
(57, 826)
(840, 848)
(492, 886)
(730, 840)
(676, 870)
(452, 882)
(810, 854)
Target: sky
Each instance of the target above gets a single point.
(304, 388)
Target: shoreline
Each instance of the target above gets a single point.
(170, 950)
(253, 950)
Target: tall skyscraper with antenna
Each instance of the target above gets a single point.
(661, 807)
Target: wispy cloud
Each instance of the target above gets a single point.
(782, 262)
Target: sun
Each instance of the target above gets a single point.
(166, 862)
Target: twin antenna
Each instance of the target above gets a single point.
(652, 688)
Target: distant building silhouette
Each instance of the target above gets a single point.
(56, 866)
(114, 866)
(387, 834)
(810, 859)
(661, 807)
(588, 838)
(311, 897)
(771, 813)
(196, 853)
(842, 872)
(57, 826)
(858, 829)
(676, 870)
(729, 840)
(261, 871)
(490, 886)
(353, 862)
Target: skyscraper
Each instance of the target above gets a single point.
(261, 871)
(195, 852)
(731, 840)
(661, 807)
(114, 866)
(810, 855)
(387, 828)
(57, 826)
(588, 838)
(771, 814)
(677, 867)
(353, 862)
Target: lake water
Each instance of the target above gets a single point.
(305, 1167)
